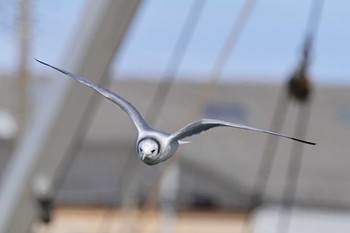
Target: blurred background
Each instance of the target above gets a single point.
(67, 156)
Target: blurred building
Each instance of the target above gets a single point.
(219, 166)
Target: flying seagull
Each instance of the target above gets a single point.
(154, 146)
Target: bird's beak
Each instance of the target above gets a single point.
(145, 155)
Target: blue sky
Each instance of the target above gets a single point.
(267, 51)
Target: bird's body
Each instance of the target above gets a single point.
(165, 147)
(154, 146)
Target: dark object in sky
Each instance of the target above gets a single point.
(299, 87)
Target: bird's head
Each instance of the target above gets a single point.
(148, 151)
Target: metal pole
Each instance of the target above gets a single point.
(24, 41)
(55, 128)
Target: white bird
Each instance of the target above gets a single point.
(154, 146)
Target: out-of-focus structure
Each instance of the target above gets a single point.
(35, 157)
(74, 168)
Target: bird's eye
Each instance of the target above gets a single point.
(153, 151)
(141, 149)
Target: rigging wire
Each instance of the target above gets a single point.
(217, 70)
(260, 182)
(130, 173)
(176, 58)
(268, 157)
(224, 55)
(222, 59)
(314, 18)
(269, 153)
(71, 154)
(216, 73)
(296, 155)
(294, 170)
(226, 52)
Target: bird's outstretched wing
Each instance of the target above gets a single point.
(124, 104)
(205, 124)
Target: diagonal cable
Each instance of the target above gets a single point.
(129, 174)
(226, 52)
(294, 170)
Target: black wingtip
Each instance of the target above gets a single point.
(303, 141)
(41, 62)
(53, 67)
(37, 60)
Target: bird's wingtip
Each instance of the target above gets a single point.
(38, 60)
(306, 142)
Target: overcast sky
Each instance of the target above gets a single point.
(267, 51)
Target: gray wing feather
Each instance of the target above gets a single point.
(122, 103)
(205, 124)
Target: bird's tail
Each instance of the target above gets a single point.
(183, 142)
